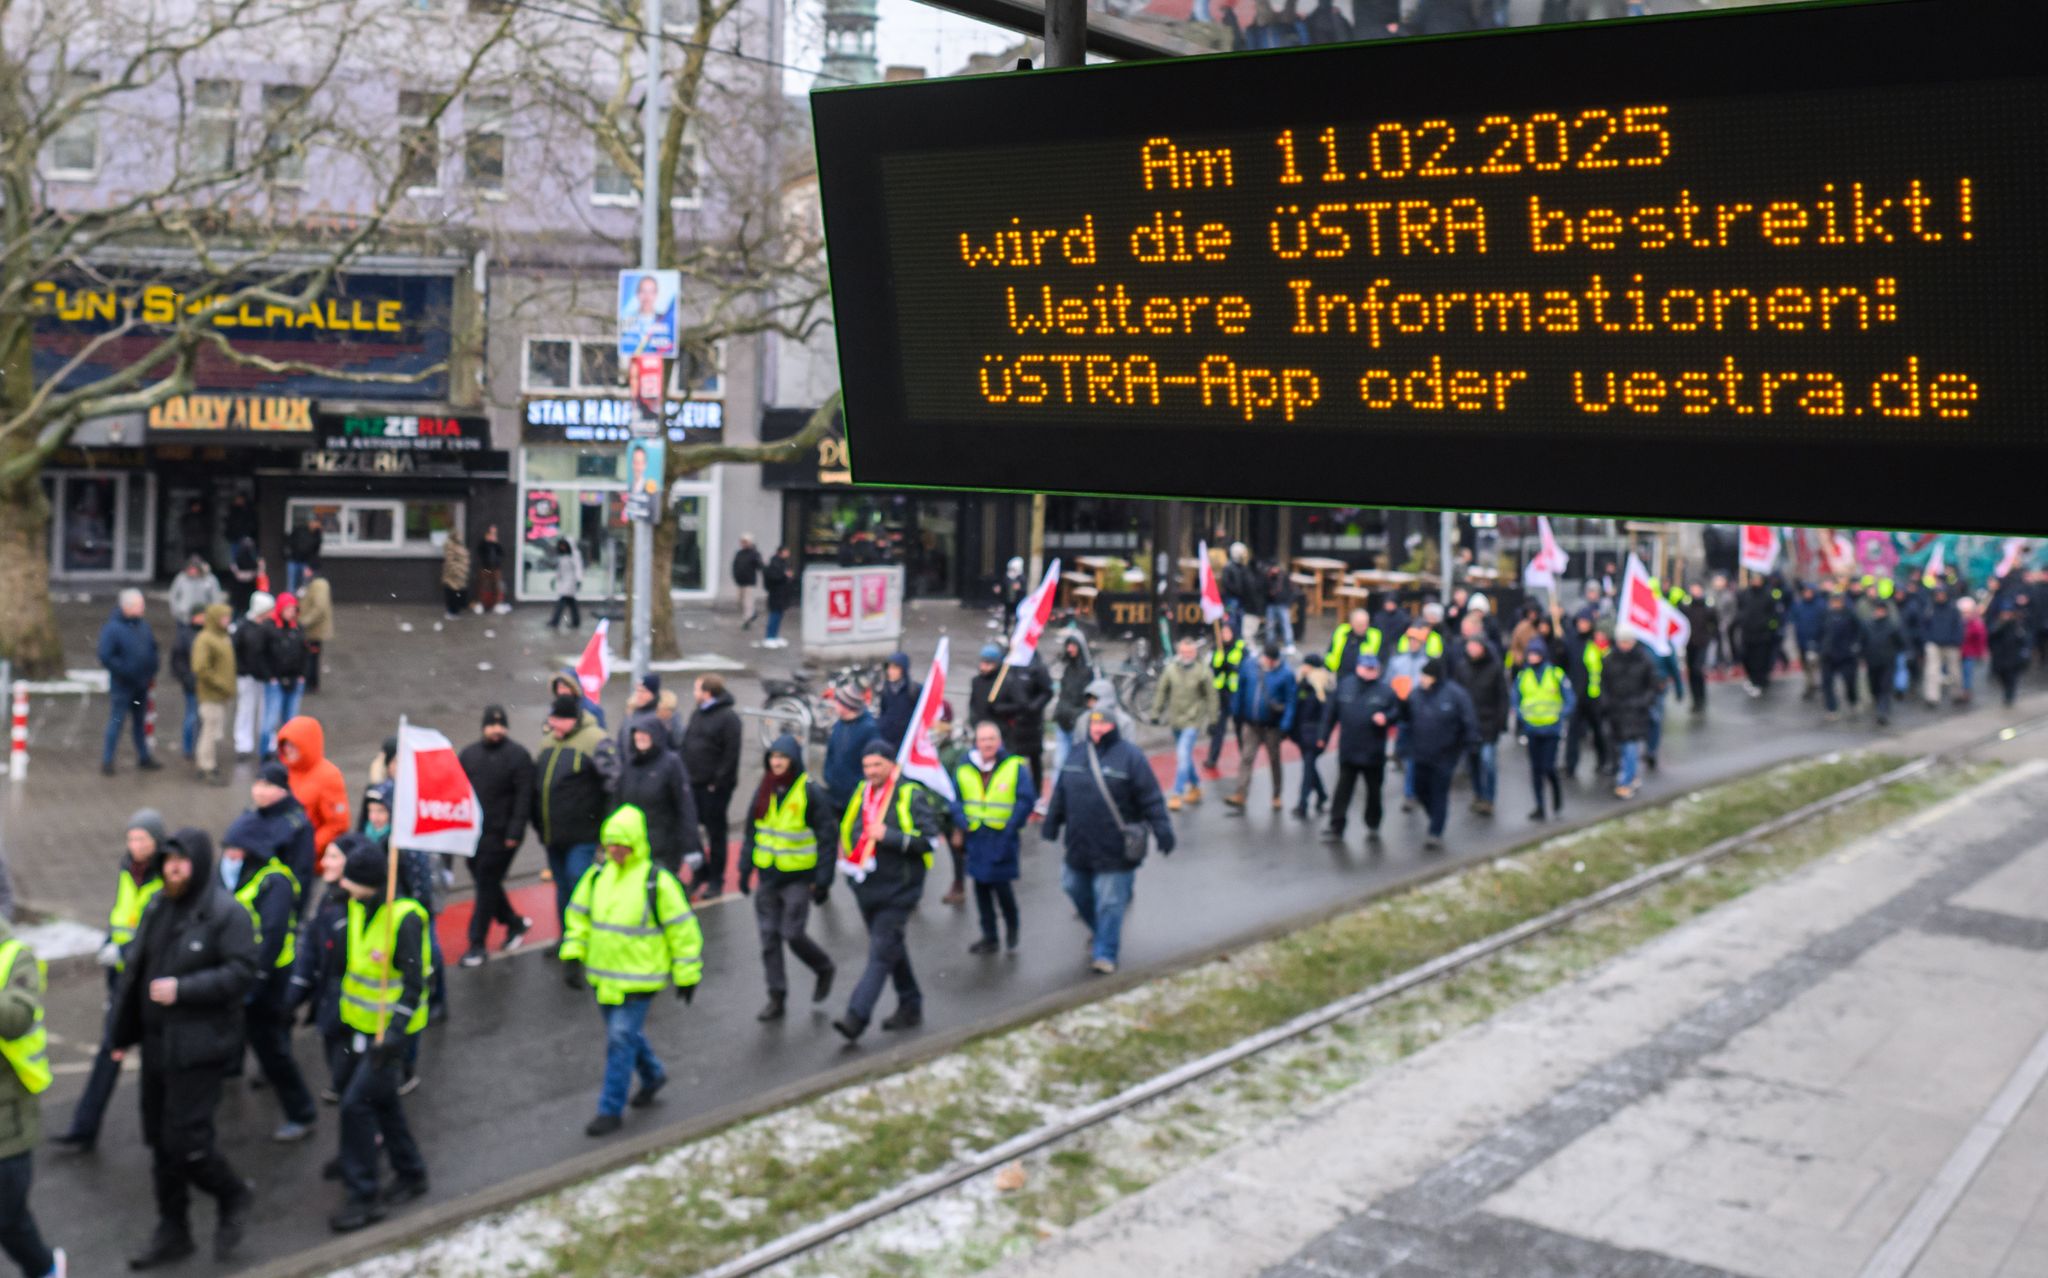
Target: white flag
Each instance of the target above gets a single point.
(434, 806)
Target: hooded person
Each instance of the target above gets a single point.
(287, 685)
(631, 934)
(316, 782)
(791, 837)
(566, 680)
(181, 999)
(1107, 788)
(574, 769)
(1077, 671)
(645, 698)
(265, 885)
(896, 699)
(24, 986)
(137, 878)
(652, 778)
(384, 972)
(1542, 699)
(276, 826)
(213, 683)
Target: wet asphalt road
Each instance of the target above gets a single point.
(512, 1077)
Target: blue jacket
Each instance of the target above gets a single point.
(1806, 617)
(1943, 626)
(895, 703)
(1093, 831)
(992, 855)
(1349, 713)
(128, 651)
(1265, 697)
(280, 831)
(842, 756)
(1441, 725)
(1841, 636)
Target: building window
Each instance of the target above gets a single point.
(611, 184)
(284, 133)
(419, 140)
(215, 104)
(570, 364)
(412, 529)
(483, 150)
(699, 373)
(74, 149)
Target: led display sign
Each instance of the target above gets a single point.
(1776, 265)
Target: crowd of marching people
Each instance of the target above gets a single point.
(302, 912)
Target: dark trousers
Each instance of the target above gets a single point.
(91, 1109)
(269, 1030)
(370, 1109)
(991, 897)
(1264, 736)
(124, 702)
(566, 603)
(888, 962)
(2009, 682)
(712, 802)
(1543, 768)
(1882, 689)
(19, 1237)
(1833, 673)
(1696, 678)
(782, 909)
(1374, 775)
(1311, 778)
(1220, 728)
(456, 599)
(1585, 723)
(1758, 656)
(1433, 787)
(312, 666)
(177, 1124)
(487, 869)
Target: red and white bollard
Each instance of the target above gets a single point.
(17, 752)
(149, 719)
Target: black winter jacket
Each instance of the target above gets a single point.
(287, 645)
(1347, 715)
(1841, 636)
(205, 940)
(281, 831)
(1094, 831)
(897, 881)
(1882, 644)
(1628, 685)
(1441, 724)
(711, 744)
(656, 782)
(252, 650)
(502, 776)
(316, 970)
(1074, 681)
(1485, 681)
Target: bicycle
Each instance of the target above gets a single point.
(793, 704)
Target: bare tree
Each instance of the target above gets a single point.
(751, 260)
(269, 212)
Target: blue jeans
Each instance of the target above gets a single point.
(1656, 737)
(626, 1052)
(124, 703)
(1311, 778)
(1485, 770)
(280, 704)
(1970, 665)
(1184, 774)
(190, 736)
(1101, 898)
(1280, 623)
(569, 867)
(774, 630)
(294, 575)
(1631, 757)
(1062, 745)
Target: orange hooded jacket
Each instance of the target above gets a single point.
(316, 783)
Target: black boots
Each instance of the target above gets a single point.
(774, 1010)
(823, 989)
(169, 1245)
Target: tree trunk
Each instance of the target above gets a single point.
(28, 621)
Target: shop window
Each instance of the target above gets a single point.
(406, 528)
(572, 364)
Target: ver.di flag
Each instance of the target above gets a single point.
(2010, 559)
(1032, 614)
(434, 808)
(1759, 548)
(916, 758)
(1643, 608)
(594, 667)
(1544, 566)
(1212, 598)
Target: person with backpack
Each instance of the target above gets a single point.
(24, 1078)
(630, 935)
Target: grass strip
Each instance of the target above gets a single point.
(693, 1206)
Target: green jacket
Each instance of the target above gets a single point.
(1184, 696)
(21, 1124)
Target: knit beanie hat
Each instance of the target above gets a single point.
(150, 822)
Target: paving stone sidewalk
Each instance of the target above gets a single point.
(1778, 1090)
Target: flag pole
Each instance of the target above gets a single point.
(391, 897)
(997, 686)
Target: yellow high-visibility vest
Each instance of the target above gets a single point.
(370, 986)
(783, 839)
(989, 809)
(29, 1054)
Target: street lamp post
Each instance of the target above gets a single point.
(651, 197)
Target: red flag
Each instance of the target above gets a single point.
(1759, 548)
(1212, 598)
(917, 759)
(1032, 615)
(594, 667)
(434, 808)
(1643, 608)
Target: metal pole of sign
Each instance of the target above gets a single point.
(1066, 45)
(651, 198)
(1447, 546)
